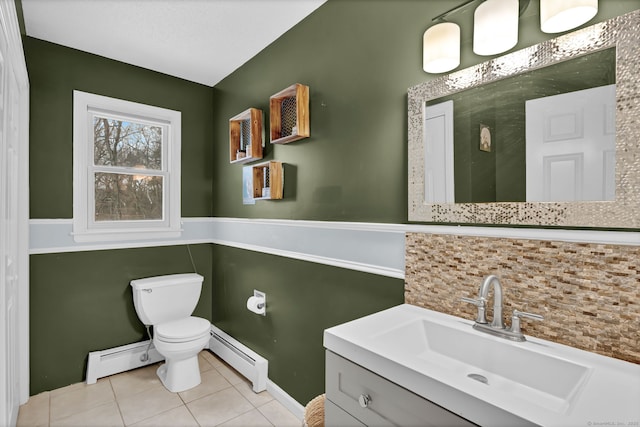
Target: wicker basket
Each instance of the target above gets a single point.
(314, 412)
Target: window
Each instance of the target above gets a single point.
(126, 169)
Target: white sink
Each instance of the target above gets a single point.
(540, 378)
(489, 379)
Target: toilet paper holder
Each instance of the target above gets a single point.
(258, 303)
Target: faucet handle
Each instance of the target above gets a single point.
(517, 315)
(481, 303)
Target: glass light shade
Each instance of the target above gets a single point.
(495, 26)
(557, 16)
(441, 48)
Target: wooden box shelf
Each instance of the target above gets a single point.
(246, 136)
(268, 181)
(289, 114)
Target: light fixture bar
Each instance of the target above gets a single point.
(455, 9)
(523, 6)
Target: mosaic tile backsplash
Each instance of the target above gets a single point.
(589, 294)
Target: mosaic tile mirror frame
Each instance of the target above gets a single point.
(622, 33)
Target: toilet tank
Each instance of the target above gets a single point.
(162, 299)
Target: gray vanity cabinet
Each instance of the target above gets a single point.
(356, 396)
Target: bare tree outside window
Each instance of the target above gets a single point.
(126, 155)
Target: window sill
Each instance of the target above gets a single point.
(124, 235)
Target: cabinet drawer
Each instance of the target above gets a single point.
(389, 403)
(335, 416)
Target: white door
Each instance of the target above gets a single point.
(438, 156)
(571, 146)
(14, 191)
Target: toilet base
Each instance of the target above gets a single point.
(180, 375)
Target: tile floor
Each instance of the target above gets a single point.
(138, 398)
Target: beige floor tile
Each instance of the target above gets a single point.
(212, 382)
(279, 415)
(256, 399)
(250, 419)
(203, 361)
(80, 398)
(105, 415)
(135, 381)
(230, 374)
(177, 417)
(35, 413)
(149, 403)
(211, 358)
(219, 407)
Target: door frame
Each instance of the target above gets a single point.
(15, 60)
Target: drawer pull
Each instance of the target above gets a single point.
(364, 400)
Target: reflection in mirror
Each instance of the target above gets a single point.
(543, 135)
(483, 142)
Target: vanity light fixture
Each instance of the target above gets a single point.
(441, 48)
(557, 16)
(495, 26)
(495, 31)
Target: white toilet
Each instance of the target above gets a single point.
(166, 302)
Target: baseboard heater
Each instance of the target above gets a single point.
(119, 359)
(250, 364)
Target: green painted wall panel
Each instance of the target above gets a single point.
(303, 299)
(56, 71)
(359, 58)
(82, 302)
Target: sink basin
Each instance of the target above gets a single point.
(487, 379)
(541, 379)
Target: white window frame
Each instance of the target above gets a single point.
(85, 228)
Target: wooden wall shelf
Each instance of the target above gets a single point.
(289, 114)
(268, 176)
(246, 136)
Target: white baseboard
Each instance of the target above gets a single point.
(119, 359)
(285, 399)
(244, 360)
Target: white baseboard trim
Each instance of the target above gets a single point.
(119, 359)
(250, 364)
(285, 399)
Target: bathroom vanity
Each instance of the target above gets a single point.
(368, 399)
(411, 366)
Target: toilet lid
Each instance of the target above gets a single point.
(182, 330)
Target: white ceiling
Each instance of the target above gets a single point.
(198, 40)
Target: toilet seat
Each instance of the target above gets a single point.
(182, 330)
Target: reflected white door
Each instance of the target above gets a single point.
(571, 146)
(438, 156)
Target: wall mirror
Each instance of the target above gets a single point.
(503, 142)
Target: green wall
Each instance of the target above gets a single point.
(55, 72)
(81, 302)
(303, 299)
(358, 58)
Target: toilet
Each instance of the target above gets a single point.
(166, 303)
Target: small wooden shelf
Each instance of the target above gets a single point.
(289, 114)
(246, 136)
(268, 175)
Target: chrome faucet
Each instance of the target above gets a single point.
(497, 326)
(497, 321)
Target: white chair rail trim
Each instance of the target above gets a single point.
(376, 248)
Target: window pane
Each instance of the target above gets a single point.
(127, 144)
(121, 197)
